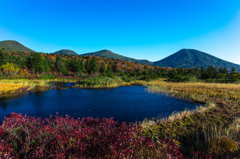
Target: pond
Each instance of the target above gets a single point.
(128, 103)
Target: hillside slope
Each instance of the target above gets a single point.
(66, 51)
(11, 45)
(189, 58)
(110, 54)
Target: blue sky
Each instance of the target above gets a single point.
(140, 29)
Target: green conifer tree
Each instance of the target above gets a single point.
(2, 58)
(88, 67)
(57, 63)
(37, 63)
(103, 69)
(94, 65)
(233, 70)
(63, 70)
(110, 71)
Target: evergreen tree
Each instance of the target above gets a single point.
(63, 70)
(46, 65)
(72, 65)
(2, 58)
(49, 63)
(88, 67)
(225, 70)
(233, 70)
(159, 73)
(122, 74)
(203, 73)
(78, 68)
(103, 69)
(221, 70)
(37, 63)
(82, 65)
(212, 71)
(114, 67)
(94, 65)
(172, 74)
(28, 62)
(19, 61)
(57, 64)
(110, 71)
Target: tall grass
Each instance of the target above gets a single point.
(205, 131)
(10, 87)
(17, 86)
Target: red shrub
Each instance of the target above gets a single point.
(31, 137)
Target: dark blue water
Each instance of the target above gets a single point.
(130, 104)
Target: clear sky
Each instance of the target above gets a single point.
(141, 29)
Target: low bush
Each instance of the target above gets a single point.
(224, 146)
(30, 137)
(100, 81)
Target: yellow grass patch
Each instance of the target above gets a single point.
(198, 91)
(9, 87)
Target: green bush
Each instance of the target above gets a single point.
(128, 79)
(48, 77)
(101, 81)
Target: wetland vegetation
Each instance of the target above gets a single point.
(210, 131)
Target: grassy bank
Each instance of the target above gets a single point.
(207, 129)
(21, 85)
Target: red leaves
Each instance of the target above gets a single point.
(68, 137)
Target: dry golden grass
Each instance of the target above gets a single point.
(9, 87)
(19, 85)
(201, 92)
(211, 125)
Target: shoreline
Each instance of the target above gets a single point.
(221, 105)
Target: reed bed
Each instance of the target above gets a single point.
(210, 130)
(200, 92)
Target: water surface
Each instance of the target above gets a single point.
(128, 103)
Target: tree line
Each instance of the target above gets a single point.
(42, 65)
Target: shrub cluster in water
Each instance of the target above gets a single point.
(101, 81)
(30, 137)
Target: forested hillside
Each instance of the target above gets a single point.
(185, 58)
(110, 54)
(29, 64)
(190, 58)
(44, 66)
(66, 51)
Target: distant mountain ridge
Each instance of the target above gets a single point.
(185, 58)
(65, 51)
(110, 54)
(11, 45)
(190, 58)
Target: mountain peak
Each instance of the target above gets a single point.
(191, 50)
(105, 50)
(12, 45)
(65, 51)
(190, 58)
(109, 54)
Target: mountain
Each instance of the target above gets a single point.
(110, 54)
(11, 45)
(190, 58)
(65, 51)
(185, 58)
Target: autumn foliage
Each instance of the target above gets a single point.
(30, 137)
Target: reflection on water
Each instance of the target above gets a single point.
(129, 103)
